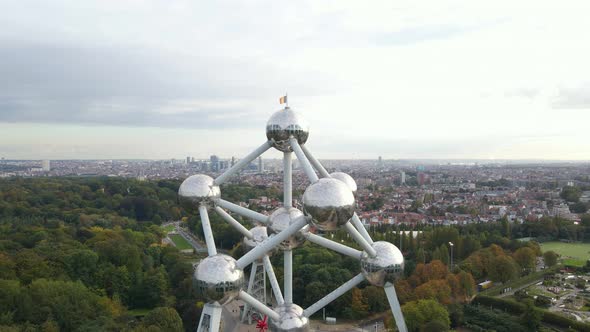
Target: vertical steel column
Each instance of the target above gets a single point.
(287, 180)
(207, 230)
(288, 268)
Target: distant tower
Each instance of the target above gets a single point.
(46, 165)
(380, 162)
(233, 161)
(403, 178)
(260, 165)
(188, 160)
(214, 163)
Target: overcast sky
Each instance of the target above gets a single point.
(400, 79)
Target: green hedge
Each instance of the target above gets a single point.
(518, 308)
(500, 303)
(562, 321)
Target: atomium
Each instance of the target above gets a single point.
(346, 179)
(387, 266)
(329, 202)
(218, 278)
(197, 189)
(291, 319)
(284, 124)
(282, 218)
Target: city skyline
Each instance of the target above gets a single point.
(158, 80)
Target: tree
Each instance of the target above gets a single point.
(579, 207)
(434, 289)
(550, 258)
(359, 305)
(531, 316)
(166, 318)
(503, 268)
(376, 299)
(70, 304)
(526, 258)
(81, 265)
(467, 284)
(420, 313)
(571, 194)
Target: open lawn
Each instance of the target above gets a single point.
(168, 228)
(180, 242)
(575, 254)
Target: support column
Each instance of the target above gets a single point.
(288, 268)
(211, 250)
(395, 307)
(210, 318)
(287, 180)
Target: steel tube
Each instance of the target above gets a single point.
(303, 160)
(230, 220)
(287, 180)
(345, 250)
(270, 243)
(261, 307)
(395, 307)
(316, 164)
(345, 287)
(244, 212)
(288, 277)
(360, 240)
(211, 250)
(243, 162)
(359, 227)
(274, 283)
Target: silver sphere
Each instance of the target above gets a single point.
(282, 218)
(291, 319)
(218, 278)
(284, 124)
(197, 189)
(346, 179)
(259, 234)
(329, 202)
(387, 266)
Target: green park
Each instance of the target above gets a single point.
(573, 254)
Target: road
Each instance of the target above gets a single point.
(511, 292)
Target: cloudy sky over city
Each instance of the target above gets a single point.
(400, 79)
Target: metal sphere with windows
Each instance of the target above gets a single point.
(385, 267)
(291, 319)
(282, 125)
(259, 234)
(218, 278)
(197, 189)
(282, 218)
(347, 179)
(329, 202)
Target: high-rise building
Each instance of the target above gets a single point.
(423, 178)
(214, 163)
(403, 177)
(260, 165)
(46, 165)
(233, 161)
(188, 160)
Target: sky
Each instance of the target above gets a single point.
(160, 79)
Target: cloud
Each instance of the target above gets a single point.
(573, 97)
(46, 83)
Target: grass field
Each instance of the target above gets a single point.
(180, 242)
(168, 228)
(575, 254)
